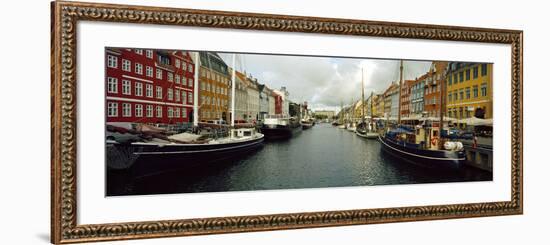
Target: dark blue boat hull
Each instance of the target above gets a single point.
(433, 159)
(280, 132)
(153, 159)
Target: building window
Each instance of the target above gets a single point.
(184, 66)
(476, 91)
(189, 67)
(149, 53)
(112, 109)
(455, 78)
(138, 89)
(467, 92)
(159, 92)
(170, 94)
(139, 68)
(159, 111)
(177, 95)
(184, 97)
(170, 76)
(112, 61)
(467, 74)
(139, 51)
(170, 112)
(149, 90)
(484, 89)
(176, 112)
(159, 74)
(178, 79)
(139, 110)
(476, 72)
(184, 112)
(126, 64)
(126, 87)
(190, 82)
(149, 111)
(112, 85)
(126, 110)
(177, 63)
(461, 93)
(461, 76)
(455, 95)
(149, 71)
(484, 69)
(189, 97)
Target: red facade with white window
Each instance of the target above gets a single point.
(148, 86)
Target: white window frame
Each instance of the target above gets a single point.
(139, 68)
(158, 74)
(112, 109)
(126, 65)
(126, 109)
(159, 92)
(126, 87)
(176, 112)
(170, 76)
(112, 85)
(170, 94)
(139, 51)
(149, 90)
(177, 95)
(189, 97)
(112, 61)
(149, 111)
(149, 71)
(159, 111)
(138, 110)
(177, 62)
(183, 97)
(184, 112)
(170, 111)
(178, 79)
(138, 89)
(149, 53)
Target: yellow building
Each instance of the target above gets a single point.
(469, 90)
(214, 81)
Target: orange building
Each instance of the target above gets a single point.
(214, 81)
(432, 90)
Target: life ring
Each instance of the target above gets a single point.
(434, 141)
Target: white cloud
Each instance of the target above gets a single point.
(325, 82)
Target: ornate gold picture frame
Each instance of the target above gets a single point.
(64, 187)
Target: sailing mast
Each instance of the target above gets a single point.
(196, 91)
(362, 96)
(232, 117)
(371, 108)
(399, 98)
(442, 98)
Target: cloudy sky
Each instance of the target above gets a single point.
(324, 82)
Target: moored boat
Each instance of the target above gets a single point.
(280, 127)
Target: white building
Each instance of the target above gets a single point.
(241, 97)
(271, 101)
(253, 105)
(264, 100)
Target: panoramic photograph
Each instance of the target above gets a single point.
(182, 121)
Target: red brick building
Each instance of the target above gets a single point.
(432, 92)
(148, 86)
(278, 103)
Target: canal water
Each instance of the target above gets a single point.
(323, 156)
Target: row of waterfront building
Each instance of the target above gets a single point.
(468, 93)
(158, 86)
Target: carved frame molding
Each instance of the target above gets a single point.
(65, 15)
